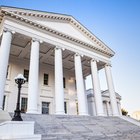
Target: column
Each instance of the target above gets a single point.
(108, 108)
(111, 90)
(33, 78)
(97, 90)
(119, 108)
(59, 90)
(82, 99)
(4, 58)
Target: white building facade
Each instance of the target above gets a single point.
(107, 108)
(55, 53)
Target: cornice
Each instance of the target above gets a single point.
(57, 33)
(1, 17)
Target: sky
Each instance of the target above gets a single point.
(117, 24)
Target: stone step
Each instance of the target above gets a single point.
(64, 127)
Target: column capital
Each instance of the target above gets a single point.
(8, 30)
(94, 60)
(57, 48)
(108, 64)
(38, 40)
(78, 54)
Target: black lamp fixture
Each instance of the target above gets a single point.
(19, 80)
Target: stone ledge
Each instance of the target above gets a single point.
(4, 116)
(25, 137)
(18, 130)
(131, 120)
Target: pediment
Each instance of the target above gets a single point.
(64, 24)
(106, 93)
(67, 29)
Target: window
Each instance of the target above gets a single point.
(77, 108)
(45, 107)
(26, 74)
(7, 71)
(64, 82)
(75, 84)
(24, 105)
(65, 107)
(3, 105)
(46, 79)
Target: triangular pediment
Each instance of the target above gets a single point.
(64, 24)
(67, 29)
(106, 93)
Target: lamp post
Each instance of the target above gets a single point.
(19, 80)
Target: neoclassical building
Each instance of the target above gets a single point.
(55, 53)
(105, 100)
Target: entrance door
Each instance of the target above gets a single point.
(45, 107)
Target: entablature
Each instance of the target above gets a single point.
(26, 30)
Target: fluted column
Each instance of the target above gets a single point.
(33, 78)
(4, 58)
(111, 90)
(97, 90)
(82, 100)
(59, 91)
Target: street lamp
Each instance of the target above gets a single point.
(19, 80)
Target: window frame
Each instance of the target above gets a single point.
(64, 82)
(7, 74)
(65, 107)
(24, 106)
(3, 103)
(26, 75)
(47, 106)
(46, 79)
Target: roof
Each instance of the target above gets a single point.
(23, 15)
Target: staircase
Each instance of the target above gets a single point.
(63, 127)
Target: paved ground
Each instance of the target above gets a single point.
(65, 127)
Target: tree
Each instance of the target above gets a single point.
(124, 112)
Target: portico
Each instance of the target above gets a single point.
(30, 41)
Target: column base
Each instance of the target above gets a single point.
(83, 114)
(32, 112)
(116, 115)
(59, 113)
(109, 115)
(100, 114)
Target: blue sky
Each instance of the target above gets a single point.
(116, 23)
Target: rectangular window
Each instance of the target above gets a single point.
(65, 107)
(75, 85)
(77, 108)
(64, 82)
(3, 105)
(26, 74)
(46, 79)
(24, 105)
(7, 71)
(45, 107)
